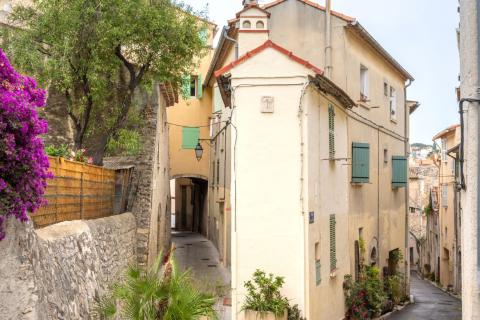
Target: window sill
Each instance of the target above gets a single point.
(364, 104)
(358, 183)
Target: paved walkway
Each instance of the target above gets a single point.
(195, 252)
(431, 303)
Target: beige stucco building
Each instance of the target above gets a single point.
(449, 209)
(308, 153)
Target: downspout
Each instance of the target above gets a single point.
(407, 188)
(378, 197)
(328, 40)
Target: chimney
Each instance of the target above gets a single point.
(247, 3)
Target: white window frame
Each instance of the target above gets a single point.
(393, 103)
(364, 94)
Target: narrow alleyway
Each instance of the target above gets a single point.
(430, 303)
(195, 252)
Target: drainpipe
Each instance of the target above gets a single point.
(328, 40)
(407, 190)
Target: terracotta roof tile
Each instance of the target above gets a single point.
(267, 44)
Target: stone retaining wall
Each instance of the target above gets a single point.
(59, 271)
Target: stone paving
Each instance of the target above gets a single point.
(195, 252)
(431, 303)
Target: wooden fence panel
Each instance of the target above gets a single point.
(77, 191)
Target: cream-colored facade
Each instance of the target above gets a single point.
(298, 209)
(449, 213)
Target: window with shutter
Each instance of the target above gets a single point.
(331, 132)
(360, 162)
(190, 137)
(333, 243)
(399, 171)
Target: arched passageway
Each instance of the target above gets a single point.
(190, 204)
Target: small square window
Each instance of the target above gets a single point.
(385, 89)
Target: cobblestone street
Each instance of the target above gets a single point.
(431, 303)
(199, 254)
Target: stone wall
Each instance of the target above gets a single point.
(149, 199)
(59, 271)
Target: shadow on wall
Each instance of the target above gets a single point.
(59, 271)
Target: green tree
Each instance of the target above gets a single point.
(98, 52)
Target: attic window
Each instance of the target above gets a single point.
(247, 24)
(260, 25)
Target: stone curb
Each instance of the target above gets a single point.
(396, 309)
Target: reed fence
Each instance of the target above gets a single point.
(77, 191)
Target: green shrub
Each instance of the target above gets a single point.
(60, 151)
(395, 287)
(263, 294)
(161, 293)
(294, 313)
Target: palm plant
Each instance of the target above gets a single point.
(163, 292)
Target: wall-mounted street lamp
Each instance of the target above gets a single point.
(199, 151)
(199, 148)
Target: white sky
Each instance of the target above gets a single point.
(420, 34)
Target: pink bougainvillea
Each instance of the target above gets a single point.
(23, 162)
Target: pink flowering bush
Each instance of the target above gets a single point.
(23, 162)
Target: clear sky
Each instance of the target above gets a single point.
(420, 34)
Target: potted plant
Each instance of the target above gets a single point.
(264, 300)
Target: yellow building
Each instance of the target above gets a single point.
(308, 152)
(449, 251)
(189, 123)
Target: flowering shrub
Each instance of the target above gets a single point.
(68, 153)
(365, 298)
(23, 162)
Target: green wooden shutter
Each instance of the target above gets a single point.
(190, 137)
(360, 162)
(331, 132)
(318, 276)
(333, 243)
(186, 80)
(399, 171)
(203, 35)
(199, 86)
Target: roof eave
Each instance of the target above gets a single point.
(365, 35)
(328, 86)
(216, 56)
